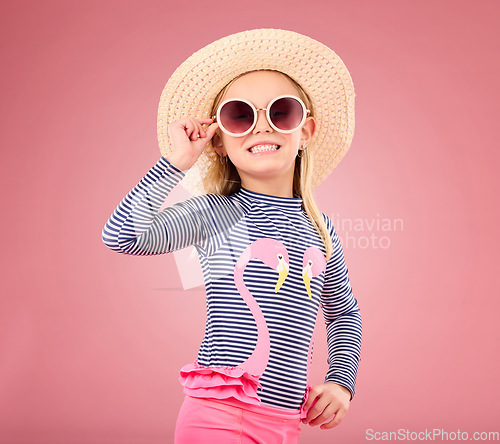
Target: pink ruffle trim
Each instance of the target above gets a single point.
(220, 383)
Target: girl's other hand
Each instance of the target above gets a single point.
(327, 402)
(188, 140)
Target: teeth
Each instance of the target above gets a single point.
(260, 148)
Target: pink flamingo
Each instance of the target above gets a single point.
(241, 382)
(274, 254)
(314, 264)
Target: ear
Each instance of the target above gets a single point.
(308, 129)
(218, 144)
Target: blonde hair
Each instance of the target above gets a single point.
(225, 180)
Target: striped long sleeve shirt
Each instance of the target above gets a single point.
(221, 228)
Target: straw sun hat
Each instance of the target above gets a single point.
(192, 88)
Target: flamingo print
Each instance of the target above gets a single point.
(241, 382)
(274, 254)
(314, 264)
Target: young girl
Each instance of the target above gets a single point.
(251, 124)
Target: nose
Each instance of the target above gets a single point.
(262, 124)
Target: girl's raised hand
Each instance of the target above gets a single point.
(188, 140)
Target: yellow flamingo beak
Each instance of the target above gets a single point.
(306, 272)
(283, 273)
(307, 281)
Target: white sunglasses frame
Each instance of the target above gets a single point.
(305, 112)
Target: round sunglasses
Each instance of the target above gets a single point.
(237, 117)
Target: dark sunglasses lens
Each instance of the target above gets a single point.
(286, 113)
(236, 116)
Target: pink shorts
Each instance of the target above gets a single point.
(209, 421)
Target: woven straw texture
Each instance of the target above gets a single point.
(193, 86)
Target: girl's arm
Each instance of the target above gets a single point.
(342, 317)
(137, 227)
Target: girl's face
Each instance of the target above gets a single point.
(272, 167)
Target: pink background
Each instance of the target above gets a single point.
(91, 341)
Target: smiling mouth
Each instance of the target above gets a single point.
(264, 148)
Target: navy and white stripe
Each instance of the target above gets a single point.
(220, 228)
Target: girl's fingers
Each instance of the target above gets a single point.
(210, 128)
(199, 131)
(202, 132)
(189, 127)
(193, 128)
(194, 131)
(335, 421)
(326, 415)
(210, 131)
